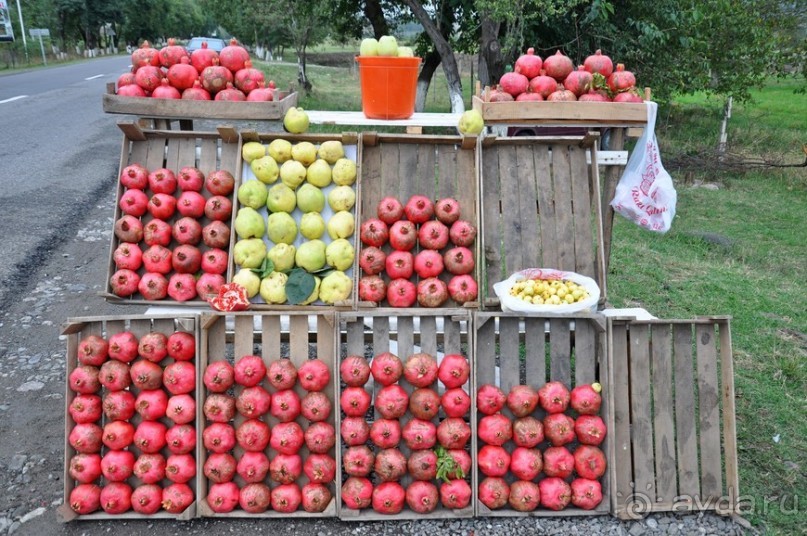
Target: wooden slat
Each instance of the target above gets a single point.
(408, 172)
(565, 113)
(156, 153)
(527, 210)
(190, 109)
(511, 217)
(584, 245)
(560, 367)
(208, 158)
(509, 353)
(612, 176)
(708, 412)
(663, 420)
(466, 187)
(561, 178)
(489, 208)
(641, 411)
(729, 417)
(371, 181)
(485, 354)
(547, 214)
(534, 345)
(620, 387)
(446, 172)
(585, 353)
(355, 337)
(139, 153)
(172, 154)
(452, 337)
(187, 152)
(685, 430)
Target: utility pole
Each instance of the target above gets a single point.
(22, 31)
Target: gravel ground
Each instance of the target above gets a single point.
(32, 372)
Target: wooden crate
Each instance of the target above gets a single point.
(569, 349)
(207, 151)
(191, 109)
(404, 332)
(352, 145)
(402, 165)
(298, 336)
(673, 398)
(592, 114)
(540, 208)
(77, 329)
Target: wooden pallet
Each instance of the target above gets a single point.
(569, 349)
(404, 332)
(78, 328)
(540, 209)
(435, 166)
(154, 149)
(675, 432)
(299, 336)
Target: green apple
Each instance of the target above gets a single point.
(331, 151)
(471, 122)
(281, 228)
(252, 150)
(344, 172)
(319, 173)
(341, 225)
(296, 120)
(249, 223)
(339, 254)
(312, 225)
(249, 280)
(292, 173)
(304, 152)
(341, 198)
(273, 287)
(249, 253)
(282, 256)
(310, 198)
(310, 255)
(252, 194)
(281, 198)
(335, 287)
(265, 169)
(406, 52)
(387, 46)
(280, 150)
(368, 47)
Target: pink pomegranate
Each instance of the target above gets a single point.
(593, 96)
(386, 368)
(181, 439)
(262, 94)
(355, 430)
(253, 435)
(285, 405)
(220, 466)
(514, 83)
(180, 377)
(230, 93)
(555, 493)
(629, 95)
(191, 204)
(119, 405)
(92, 350)
(372, 260)
(462, 464)
(204, 57)
(401, 293)
(254, 466)
(248, 78)
(586, 399)
(150, 468)
(219, 437)
(123, 346)
(282, 374)
(85, 468)
(124, 282)
(390, 210)
(422, 464)
(357, 493)
(358, 460)
(219, 376)
(528, 432)
(85, 408)
(422, 497)
(116, 498)
(419, 434)
(459, 260)
(456, 402)
(118, 435)
(219, 407)
(165, 91)
(157, 232)
(86, 438)
(390, 465)
(249, 370)
(187, 232)
(433, 234)
(180, 468)
(182, 286)
(233, 56)
(522, 400)
(558, 66)
(134, 202)
(286, 468)
(176, 498)
(447, 210)
(171, 54)
(315, 497)
(117, 465)
(388, 498)
(149, 436)
(526, 464)
(490, 399)
(403, 235)
(190, 179)
(215, 78)
(223, 497)
(220, 182)
(216, 234)
(148, 78)
(554, 397)
(428, 263)
(252, 402)
(153, 346)
(562, 94)
(559, 429)
(420, 370)
(85, 499)
(432, 292)
(400, 264)
(374, 232)
(287, 437)
(455, 494)
(315, 406)
(493, 460)
(495, 429)
(586, 493)
(525, 496)
(84, 379)
(529, 96)
(354, 371)
(355, 401)
(153, 286)
(453, 433)
(181, 409)
(145, 55)
(454, 370)
(196, 92)
(579, 81)
(558, 461)
(419, 209)
(114, 375)
(494, 492)
(424, 404)
(147, 499)
(621, 80)
(589, 462)
(385, 433)
(314, 375)
(255, 498)
(129, 229)
(320, 468)
(590, 429)
(599, 63)
(320, 437)
(391, 401)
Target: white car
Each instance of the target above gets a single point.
(213, 43)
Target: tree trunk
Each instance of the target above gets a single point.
(450, 67)
(491, 63)
(430, 64)
(302, 78)
(375, 14)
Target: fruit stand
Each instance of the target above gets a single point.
(404, 388)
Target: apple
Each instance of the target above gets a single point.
(368, 47)
(387, 46)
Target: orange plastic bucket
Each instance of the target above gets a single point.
(388, 86)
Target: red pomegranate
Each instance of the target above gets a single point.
(558, 66)
(204, 57)
(145, 55)
(182, 75)
(543, 85)
(621, 80)
(165, 91)
(197, 92)
(171, 54)
(599, 63)
(215, 78)
(529, 64)
(233, 56)
(579, 81)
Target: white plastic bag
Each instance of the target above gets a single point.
(511, 303)
(645, 193)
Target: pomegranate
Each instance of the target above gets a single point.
(147, 499)
(453, 433)
(148, 78)
(354, 430)
(422, 464)
(116, 498)
(455, 494)
(493, 460)
(424, 404)
(514, 83)
(119, 405)
(385, 433)
(554, 397)
(262, 94)
(447, 210)
(495, 429)
(134, 202)
(320, 468)
(358, 460)
(558, 66)
(586, 493)
(354, 370)
(84, 380)
(357, 493)
(248, 78)
(389, 210)
(629, 95)
(129, 229)
(422, 497)
(599, 63)
(85, 499)
(253, 435)
(118, 435)
(401, 293)
(420, 370)
(528, 64)
(223, 497)
(559, 429)
(176, 498)
(181, 439)
(586, 399)
(149, 436)
(456, 402)
(287, 437)
(315, 406)
(219, 407)
(216, 234)
(282, 374)
(526, 464)
(459, 260)
(219, 376)
(522, 400)
(388, 498)
(403, 235)
(589, 462)
(117, 465)
(150, 468)
(490, 399)
(499, 95)
(180, 468)
(428, 263)
(314, 375)
(391, 401)
(590, 430)
(254, 466)
(419, 434)
(372, 288)
(215, 78)
(151, 405)
(190, 179)
(390, 465)
(562, 94)
(372, 260)
(181, 409)
(285, 405)
(579, 81)
(165, 91)
(555, 493)
(529, 96)
(432, 292)
(558, 461)
(355, 401)
(621, 80)
(419, 209)
(433, 234)
(220, 466)
(400, 264)
(171, 54)
(85, 468)
(255, 498)
(320, 437)
(114, 375)
(528, 432)
(525, 496)
(220, 182)
(230, 93)
(191, 204)
(153, 346)
(250, 370)
(386, 368)
(204, 57)
(494, 492)
(153, 286)
(252, 402)
(233, 56)
(593, 96)
(462, 463)
(180, 377)
(85, 409)
(181, 346)
(145, 55)
(286, 468)
(196, 92)
(92, 350)
(463, 289)
(219, 437)
(374, 232)
(315, 497)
